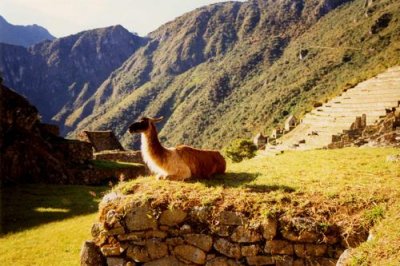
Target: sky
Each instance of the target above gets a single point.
(66, 17)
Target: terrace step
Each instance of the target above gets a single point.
(371, 97)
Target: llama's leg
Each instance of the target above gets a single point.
(161, 177)
(182, 174)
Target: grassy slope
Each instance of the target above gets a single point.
(252, 86)
(354, 186)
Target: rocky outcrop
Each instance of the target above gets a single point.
(145, 233)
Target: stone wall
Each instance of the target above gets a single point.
(119, 156)
(101, 140)
(130, 233)
(386, 132)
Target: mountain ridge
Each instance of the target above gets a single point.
(59, 75)
(22, 35)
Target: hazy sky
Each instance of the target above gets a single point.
(65, 17)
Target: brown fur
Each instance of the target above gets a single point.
(202, 163)
(180, 163)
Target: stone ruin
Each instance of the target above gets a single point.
(290, 123)
(135, 233)
(385, 132)
(107, 147)
(32, 151)
(101, 140)
(260, 141)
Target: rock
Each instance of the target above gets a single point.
(115, 231)
(393, 158)
(138, 253)
(156, 249)
(201, 241)
(111, 250)
(221, 230)
(90, 255)
(227, 248)
(201, 214)
(140, 218)
(174, 241)
(113, 261)
(245, 235)
(249, 251)
(222, 261)
(279, 247)
(166, 261)
(190, 253)
(172, 217)
(321, 261)
(310, 250)
(269, 228)
(231, 218)
(152, 250)
(260, 260)
(303, 236)
(299, 262)
(345, 258)
(143, 235)
(283, 260)
(96, 229)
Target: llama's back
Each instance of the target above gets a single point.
(202, 163)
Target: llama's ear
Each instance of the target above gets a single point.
(155, 120)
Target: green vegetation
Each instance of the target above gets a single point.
(240, 149)
(228, 71)
(353, 187)
(46, 224)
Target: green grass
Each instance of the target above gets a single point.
(353, 187)
(46, 224)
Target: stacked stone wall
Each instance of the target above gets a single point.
(135, 234)
(119, 156)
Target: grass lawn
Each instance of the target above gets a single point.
(46, 225)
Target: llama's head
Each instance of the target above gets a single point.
(143, 124)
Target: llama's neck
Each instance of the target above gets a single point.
(152, 150)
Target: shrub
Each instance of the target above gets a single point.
(240, 149)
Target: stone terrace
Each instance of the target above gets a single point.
(371, 97)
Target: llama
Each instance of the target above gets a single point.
(179, 163)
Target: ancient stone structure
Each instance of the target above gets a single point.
(119, 156)
(371, 97)
(131, 232)
(34, 152)
(290, 123)
(101, 140)
(386, 132)
(260, 140)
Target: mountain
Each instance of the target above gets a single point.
(232, 69)
(220, 72)
(22, 35)
(58, 76)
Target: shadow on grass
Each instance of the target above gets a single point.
(231, 180)
(28, 206)
(269, 188)
(242, 180)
